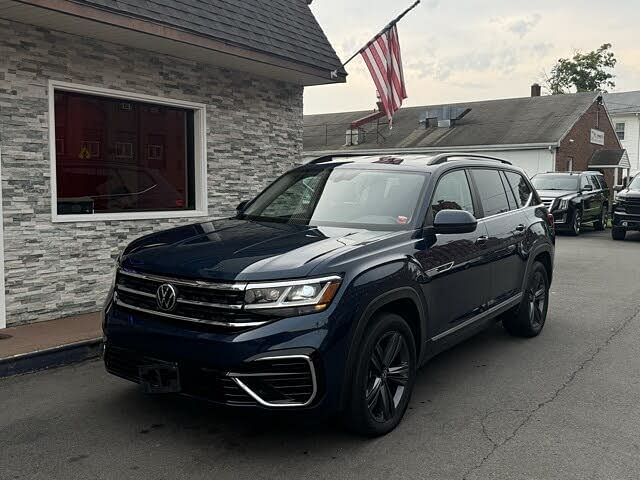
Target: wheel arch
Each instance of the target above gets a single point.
(402, 301)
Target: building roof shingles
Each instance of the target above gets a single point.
(282, 28)
(515, 121)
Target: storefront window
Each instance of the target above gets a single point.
(116, 156)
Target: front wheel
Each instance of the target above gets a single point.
(618, 233)
(529, 319)
(384, 377)
(576, 226)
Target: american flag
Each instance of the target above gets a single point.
(382, 56)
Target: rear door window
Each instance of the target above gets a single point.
(493, 196)
(521, 189)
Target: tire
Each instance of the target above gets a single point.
(529, 318)
(381, 388)
(601, 224)
(618, 233)
(576, 226)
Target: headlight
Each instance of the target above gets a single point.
(564, 204)
(307, 296)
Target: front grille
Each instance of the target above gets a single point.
(280, 381)
(198, 381)
(548, 202)
(198, 302)
(631, 205)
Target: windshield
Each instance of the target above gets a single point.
(341, 196)
(555, 182)
(635, 183)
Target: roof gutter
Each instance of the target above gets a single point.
(128, 22)
(418, 150)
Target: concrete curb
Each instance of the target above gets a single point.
(50, 357)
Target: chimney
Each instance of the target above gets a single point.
(536, 90)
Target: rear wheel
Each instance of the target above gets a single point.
(576, 226)
(529, 319)
(618, 233)
(602, 223)
(384, 377)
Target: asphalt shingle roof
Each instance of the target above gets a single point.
(623, 102)
(494, 122)
(610, 158)
(283, 28)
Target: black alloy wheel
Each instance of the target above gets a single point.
(604, 219)
(537, 295)
(382, 381)
(576, 226)
(529, 318)
(388, 376)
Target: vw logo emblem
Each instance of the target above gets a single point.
(166, 297)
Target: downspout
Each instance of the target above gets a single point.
(638, 149)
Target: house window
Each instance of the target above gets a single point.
(109, 170)
(620, 130)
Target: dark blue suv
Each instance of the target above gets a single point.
(330, 289)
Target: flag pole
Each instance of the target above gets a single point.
(334, 73)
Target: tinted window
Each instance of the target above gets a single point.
(341, 196)
(584, 181)
(521, 189)
(452, 193)
(122, 156)
(597, 183)
(492, 194)
(555, 182)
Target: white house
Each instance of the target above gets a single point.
(624, 109)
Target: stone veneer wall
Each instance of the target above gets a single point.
(58, 269)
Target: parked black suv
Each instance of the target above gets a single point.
(574, 198)
(626, 211)
(328, 291)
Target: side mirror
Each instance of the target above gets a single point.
(587, 188)
(454, 221)
(241, 206)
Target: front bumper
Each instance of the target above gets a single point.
(281, 365)
(628, 221)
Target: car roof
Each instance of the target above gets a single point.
(414, 162)
(588, 172)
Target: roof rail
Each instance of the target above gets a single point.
(445, 157)
(324, 158)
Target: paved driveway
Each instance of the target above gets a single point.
(564, 405)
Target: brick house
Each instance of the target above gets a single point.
(119, 118)
(537, 133)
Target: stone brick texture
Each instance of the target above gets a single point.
(254, 133)
(581, 149)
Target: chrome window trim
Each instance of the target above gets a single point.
(120, 303)
(263, 402)
(236, 286)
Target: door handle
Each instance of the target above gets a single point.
(482, 240)
(520, 228)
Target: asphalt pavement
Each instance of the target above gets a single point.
(563, 405)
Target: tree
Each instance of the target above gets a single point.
(589, 72)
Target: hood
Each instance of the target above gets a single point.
(627, 193)
(234, 249)
(556, 193)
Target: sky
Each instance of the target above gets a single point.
(463, 50)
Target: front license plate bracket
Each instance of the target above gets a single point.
(160, 378)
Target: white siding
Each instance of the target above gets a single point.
(531, 161)
(631, 140)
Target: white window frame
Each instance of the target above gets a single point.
(624, 130)
(200, 155)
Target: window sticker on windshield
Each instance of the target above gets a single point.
(402, 220)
